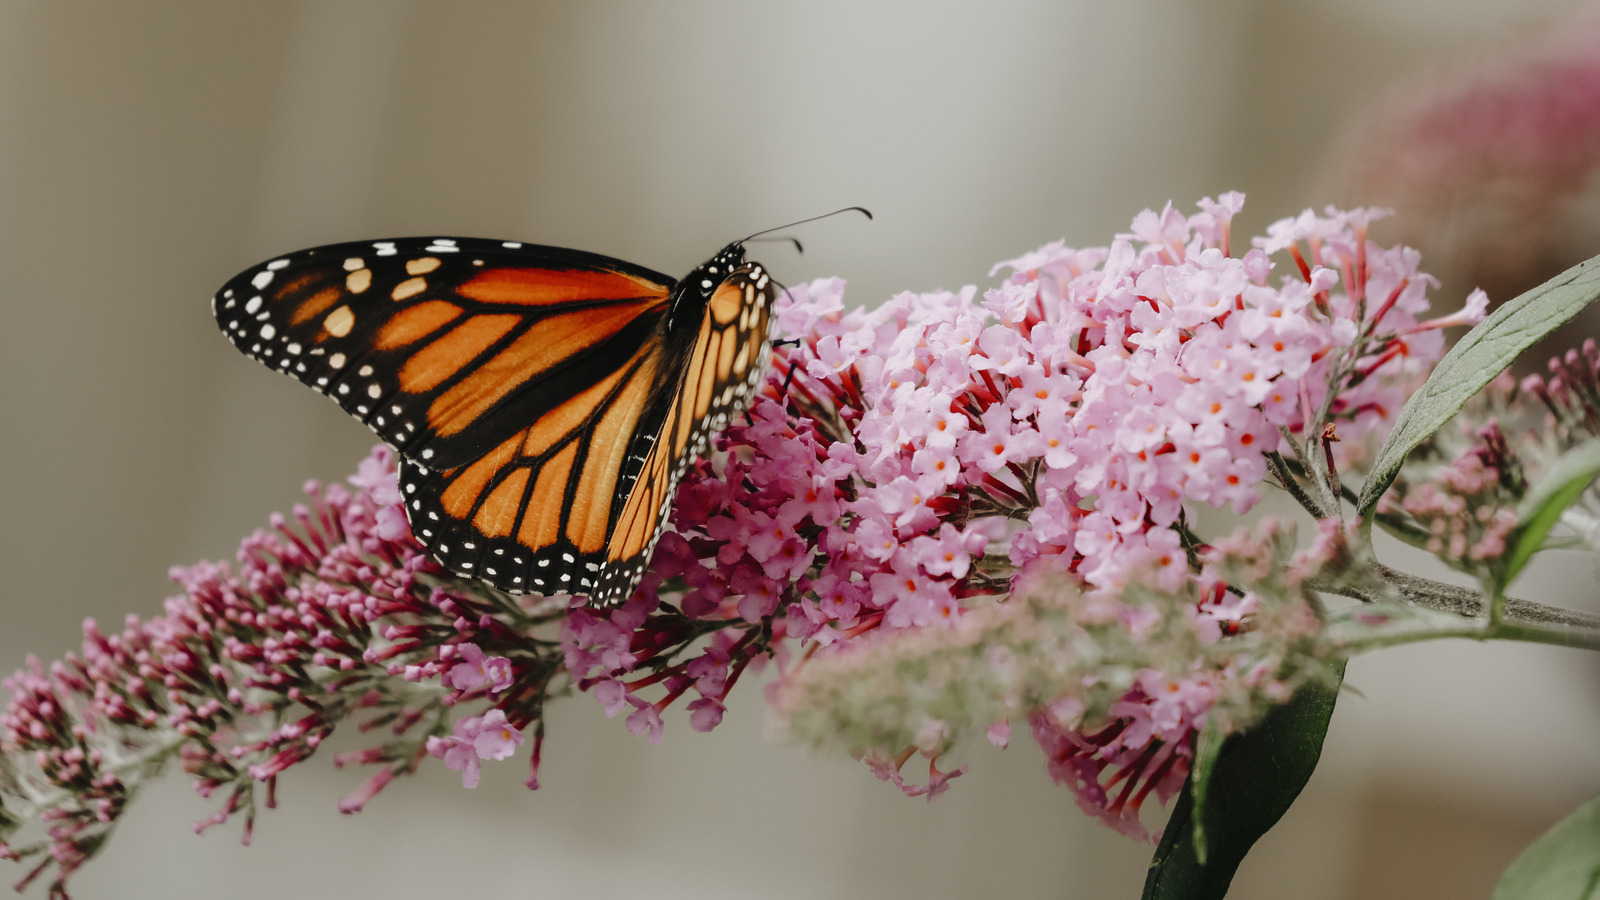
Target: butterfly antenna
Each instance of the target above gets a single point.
(794, 241)
(860, 209)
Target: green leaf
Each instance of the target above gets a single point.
(1563, 864)
(1542, 507)
(1254, 779)
(1208, 749)
(1474, 361)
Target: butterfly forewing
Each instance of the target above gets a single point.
(443, 346)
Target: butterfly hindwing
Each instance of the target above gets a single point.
(534, 513)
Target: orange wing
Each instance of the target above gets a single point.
(544, 401)
(725, 365)
(575, 502)
(534, 513)
(444, 346)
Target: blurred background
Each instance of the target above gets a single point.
(150, 151)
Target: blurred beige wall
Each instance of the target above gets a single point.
(149, 151)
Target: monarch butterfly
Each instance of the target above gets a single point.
(544, 401)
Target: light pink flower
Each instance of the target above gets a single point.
(476, 738)
(476, 670)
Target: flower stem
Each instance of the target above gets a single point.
(1478, 630)
(1467, 602)
(1286, 479)
(1520, 620)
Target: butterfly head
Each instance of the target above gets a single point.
(690, 296)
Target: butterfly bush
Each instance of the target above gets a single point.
(919, 462)
(945, 517)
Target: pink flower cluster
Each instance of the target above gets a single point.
(1113, 687)
(1458, 496)
(1571, 392)
(908, 459)
(1469, 507)
(1493, 156)
(1148, 747)
(251, 669)
(476, 738)
(1250, 590)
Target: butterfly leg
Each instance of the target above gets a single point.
(788, 377)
